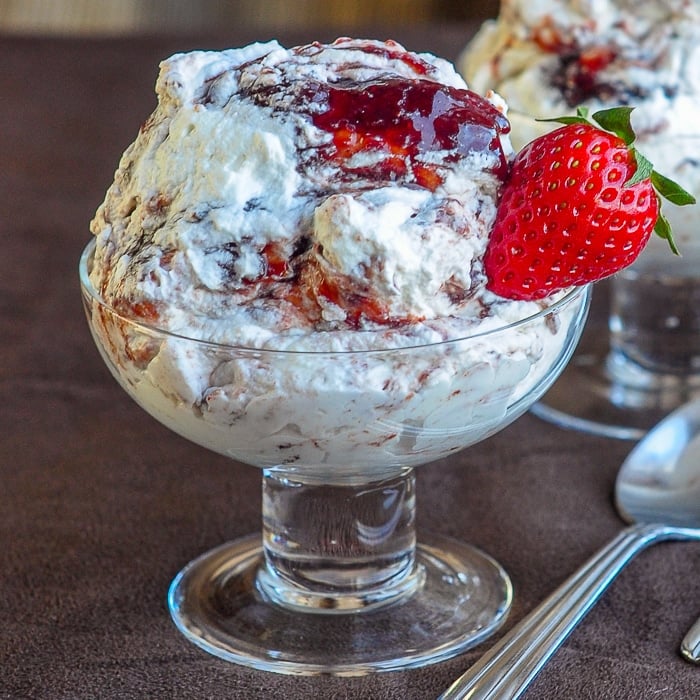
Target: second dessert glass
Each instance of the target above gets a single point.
(337, 582)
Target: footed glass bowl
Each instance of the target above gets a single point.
(336, 582)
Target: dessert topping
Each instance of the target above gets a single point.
(580, 204)
(401, 120)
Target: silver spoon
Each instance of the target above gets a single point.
(658, 490)
(690, 647)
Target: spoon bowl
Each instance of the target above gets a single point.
(660, 479)
(657, 490)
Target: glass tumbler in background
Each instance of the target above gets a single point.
(626, 377)
(655, 323)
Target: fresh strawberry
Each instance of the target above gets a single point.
(580, 204)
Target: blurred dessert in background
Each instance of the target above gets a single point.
(546, 57)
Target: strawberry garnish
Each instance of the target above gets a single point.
(580, 204)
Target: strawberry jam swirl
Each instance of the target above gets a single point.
(395, 123)
(382, 132)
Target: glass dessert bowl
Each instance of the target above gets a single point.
(336, 582)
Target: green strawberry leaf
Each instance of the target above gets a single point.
(663, 230)
(566, 120)
(671, 190)
(644, 169)
(618, 121)
(580, 118)
(664, 187)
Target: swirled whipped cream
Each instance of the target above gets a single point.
(324, 197)
(275, 193)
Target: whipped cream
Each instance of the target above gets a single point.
(239, 195)
(326, 198)
(548, 56)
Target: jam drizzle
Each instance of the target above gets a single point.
(389, 50)
(400, 120)
(578, 76)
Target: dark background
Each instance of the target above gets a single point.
(110, 17)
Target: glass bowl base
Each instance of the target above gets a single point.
(464, 597)
(602, 393)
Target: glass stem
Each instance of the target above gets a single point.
(338, 548)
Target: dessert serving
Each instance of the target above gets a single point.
(307, 262)
(323, 198)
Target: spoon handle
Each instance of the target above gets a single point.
(690, 648)
(508, 667)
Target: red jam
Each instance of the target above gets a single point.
(401, 120)
(578, 75)
(315, 287)
(275, 261)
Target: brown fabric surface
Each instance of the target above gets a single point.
(100, 506)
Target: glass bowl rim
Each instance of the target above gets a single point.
(90, 290)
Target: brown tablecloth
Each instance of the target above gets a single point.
(100, 506)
